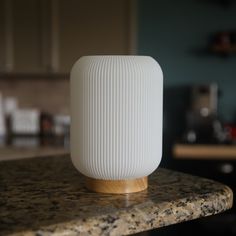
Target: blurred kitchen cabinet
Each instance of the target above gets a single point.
(48, 36)
(2, 40)
(6, 36)
(21, 41)
(25, 42)
(27, 36)
(93, 27)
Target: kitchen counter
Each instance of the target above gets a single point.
(46, 196)
(27, 147)
(12, 153)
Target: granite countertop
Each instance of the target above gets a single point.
(46, 196)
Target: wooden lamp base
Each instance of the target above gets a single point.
(117, 186)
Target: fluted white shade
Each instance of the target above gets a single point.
(116, 116)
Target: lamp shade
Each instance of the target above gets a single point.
(116, 119)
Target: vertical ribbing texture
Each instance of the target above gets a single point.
(116, 109)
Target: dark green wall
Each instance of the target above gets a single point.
(175, 32)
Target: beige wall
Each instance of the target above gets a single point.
(48, 95)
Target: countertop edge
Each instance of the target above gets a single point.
(135, 220)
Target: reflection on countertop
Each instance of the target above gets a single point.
(30, 146)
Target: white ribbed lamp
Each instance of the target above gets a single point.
(116, 121)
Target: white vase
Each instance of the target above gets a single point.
(116, 120)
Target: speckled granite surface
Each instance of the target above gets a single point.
(46, 196)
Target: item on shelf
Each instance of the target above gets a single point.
(61, 125)
(204, 129)
(25, 122)
(205, 99)
(2, 119)
(10, 104)
(231, 129)
(223, 42)
(202, 122)
(46, 124)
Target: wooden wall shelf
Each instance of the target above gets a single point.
(223, 49)
(204, 151)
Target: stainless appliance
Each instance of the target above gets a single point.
(202, 122)
(205, 99)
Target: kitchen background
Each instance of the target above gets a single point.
(40, 40)
(193, 40)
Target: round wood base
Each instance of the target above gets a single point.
(117, 186)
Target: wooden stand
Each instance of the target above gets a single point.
(117, 186)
